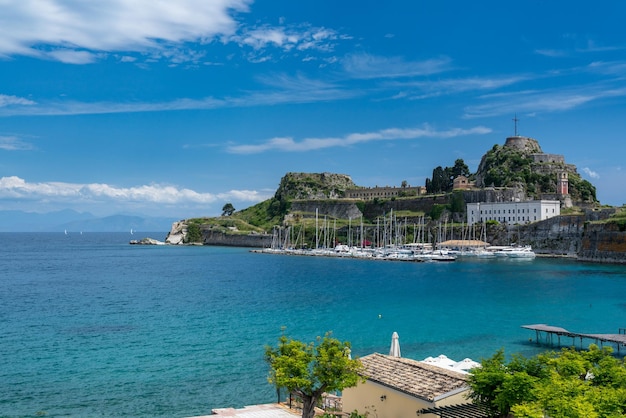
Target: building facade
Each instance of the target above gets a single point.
(369, 193)
(462, 183)
(513, 212)
(402, 387)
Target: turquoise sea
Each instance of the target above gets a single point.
(93, 326)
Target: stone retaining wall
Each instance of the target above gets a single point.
(603, 243)
(210, 237)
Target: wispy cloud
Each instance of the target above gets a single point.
(300, 37)
(13, 143)
(308, 144)
(84, 32)
(418, 89)
(17, 188)
(538, 101)
(71, 31)
(6, 100)
(275, 89)
(591, 173)
(373, 66)
(57, 108)
(616, 68)
(575, 45)
(591, 45)
(553, 53)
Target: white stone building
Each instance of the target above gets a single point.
(513, 212)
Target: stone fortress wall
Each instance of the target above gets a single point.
(369, 193)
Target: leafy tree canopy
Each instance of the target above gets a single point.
(442, 179)
(565, 384)
(309, 370)
(228, 209)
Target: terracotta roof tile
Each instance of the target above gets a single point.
(412, 377)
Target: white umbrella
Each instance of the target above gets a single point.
(466, 364)
(440, 361)
(394, 351)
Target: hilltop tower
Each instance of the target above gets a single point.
(523, 144)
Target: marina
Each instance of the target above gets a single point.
(411, 252)
(391, 240)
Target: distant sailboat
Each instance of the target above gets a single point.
(131, 231)
(66, 232)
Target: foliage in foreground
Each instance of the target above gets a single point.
(564, 384)
(309, 370)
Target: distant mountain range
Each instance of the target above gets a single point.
(70, 220)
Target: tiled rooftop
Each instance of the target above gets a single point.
(415, 378)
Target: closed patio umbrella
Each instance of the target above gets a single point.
(394, 351)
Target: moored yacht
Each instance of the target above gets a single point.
(516, 252)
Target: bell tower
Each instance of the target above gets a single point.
(562, 184)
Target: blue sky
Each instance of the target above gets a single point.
(176, 108)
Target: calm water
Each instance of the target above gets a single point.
(92, 326)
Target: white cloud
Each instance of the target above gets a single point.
(301, 38)
(553, 53)
(414, 90)
(17, 188)
(70, 56)
(308, 144)
(56, 108)
(13, 143)
(373, 66)
(591, 173)
(6, 100)
(81, 32)
(279, 89)
(542, 100)
(69, 30)
(575, 45)
(617, 68)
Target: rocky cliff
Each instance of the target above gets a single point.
(310, 186)
(332, 208)
(210, 237)
(215, 236)
(604, 243)
(560, 235)
(522, 163)
(580, 236)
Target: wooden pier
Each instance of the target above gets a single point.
(550, 332)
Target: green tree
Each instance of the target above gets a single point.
(443, 178)
(457, 202)
(309, 370)
(194, 234)
(438, 182)
(564, 384)
(459, 169)
(228, 209)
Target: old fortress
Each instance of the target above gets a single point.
(503, 208)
